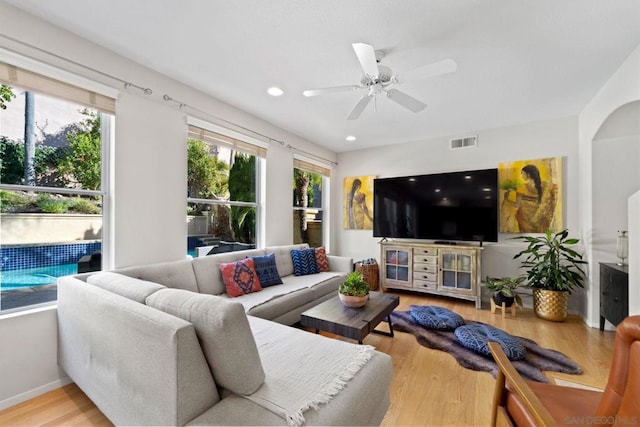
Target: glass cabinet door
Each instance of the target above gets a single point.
(457, 271)
(397, 266)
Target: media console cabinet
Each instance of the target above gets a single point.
(451, 270)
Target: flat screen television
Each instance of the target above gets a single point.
(454, 206)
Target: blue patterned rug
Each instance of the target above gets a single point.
(538, 359)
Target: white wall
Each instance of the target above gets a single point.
(621, 89)
(149, 183)
(634, 254)
(550, 138)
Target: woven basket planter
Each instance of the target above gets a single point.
(551, 305)
(370, 274)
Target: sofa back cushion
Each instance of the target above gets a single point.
(224, 334)
(283, 257)
(174, 274)
(207, 270)
(128, 287)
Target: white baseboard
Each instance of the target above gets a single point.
(23, 397)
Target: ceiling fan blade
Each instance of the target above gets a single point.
(445, 66)
(405, 100)
(326, 90)
(359, 107)
(367, 56)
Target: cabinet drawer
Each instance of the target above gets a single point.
(425, 259)
(419, 275)
(424, 284)
(425, 268)
(425, 251)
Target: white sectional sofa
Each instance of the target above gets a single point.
(164, 345)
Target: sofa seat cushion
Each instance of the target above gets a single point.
(476, 336)
(224, 334)
(434, 317)
(327, 365)
(327, 283)
(128, 287)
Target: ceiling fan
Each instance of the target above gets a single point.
(377, 79)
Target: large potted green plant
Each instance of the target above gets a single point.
(553, 270)
(354, 291)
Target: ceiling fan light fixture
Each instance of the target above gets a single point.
(275, 91)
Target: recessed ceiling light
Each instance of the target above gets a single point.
(467, 177)
(437, 190)
(350, 138)
(412, 180)
(275, 91)
(486, 189)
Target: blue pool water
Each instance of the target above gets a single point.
(15, 279)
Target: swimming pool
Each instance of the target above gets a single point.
(28, 277)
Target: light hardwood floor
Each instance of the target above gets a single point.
(429, 387)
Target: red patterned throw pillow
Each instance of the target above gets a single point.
(321, 259)
(240, 277)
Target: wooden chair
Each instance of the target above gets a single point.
(528, 403)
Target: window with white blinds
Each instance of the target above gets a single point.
(311, 167)
(223, 180)
(215, 138)
(25, 79)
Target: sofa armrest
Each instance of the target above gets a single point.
(340, 263)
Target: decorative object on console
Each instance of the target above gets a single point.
(622, 246)
(358, 202)
(304, 261)
(537, 359)
(240, 277)
(354, 291)
(553, 269)
(531, 197)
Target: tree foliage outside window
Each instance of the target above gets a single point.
(81, 164)
(207, 176)
(6, 95)
(242, 188)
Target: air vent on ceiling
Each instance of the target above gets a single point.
(465, 142)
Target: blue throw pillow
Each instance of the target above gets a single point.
(476, 337)
(434, 317)
(304, 261)
(266, 270)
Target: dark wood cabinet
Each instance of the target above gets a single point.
(614, 293)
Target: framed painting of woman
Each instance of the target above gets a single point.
(531, 196)
(358, 203)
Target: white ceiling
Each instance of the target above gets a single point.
(518, 61)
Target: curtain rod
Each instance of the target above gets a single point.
(183, 105)
(148, 91)
(292, 148)
(125, 83)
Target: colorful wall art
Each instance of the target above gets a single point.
(531, 198)
(358, 203)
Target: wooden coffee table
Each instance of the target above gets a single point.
(356, 323)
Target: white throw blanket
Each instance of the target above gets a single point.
(304, 374)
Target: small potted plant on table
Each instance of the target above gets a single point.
(354, 291)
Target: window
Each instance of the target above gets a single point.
(309, 180)
(222, 185)
(53, 145)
